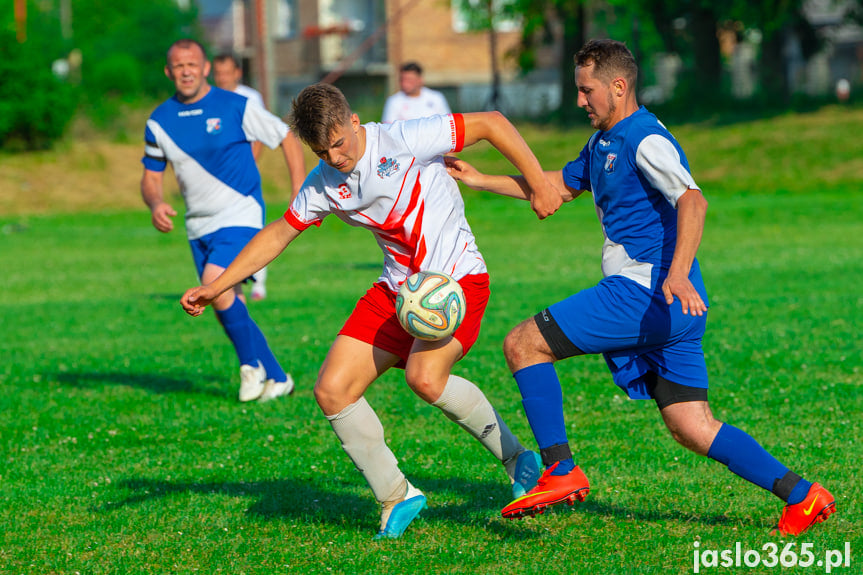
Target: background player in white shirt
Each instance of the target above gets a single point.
(228, 75)
(391, 179)
(413, 100)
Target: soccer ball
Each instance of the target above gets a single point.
(430, 305)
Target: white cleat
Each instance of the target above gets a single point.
(252, 382)
(274, 389)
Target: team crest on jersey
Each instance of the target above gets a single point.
(344, 192)
(387, 167)
(214, 125)
(610, 159)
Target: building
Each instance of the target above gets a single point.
(359, 44)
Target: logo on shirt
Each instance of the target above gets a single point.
(604, 143)
(344, 192)
(387, 167)
(609, 163)
(214, 125)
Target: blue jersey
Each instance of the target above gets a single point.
(637, 171)
(207, 143)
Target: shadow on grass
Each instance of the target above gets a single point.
(160, 383)
(273, 499)
(331, 504)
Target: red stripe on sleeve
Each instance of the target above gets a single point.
(297, 223)
(458, 132)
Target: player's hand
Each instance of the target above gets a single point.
(161, 217)
(462, 171)
(690, 300)
(545, 200)
(196, 299)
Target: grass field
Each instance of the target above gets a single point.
(124, 451)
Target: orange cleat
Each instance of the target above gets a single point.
(550, 490)
(814, 508)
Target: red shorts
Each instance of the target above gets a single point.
(374, 318)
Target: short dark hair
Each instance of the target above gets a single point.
(227, 57)
(411, 67)
(185, 43)
(610, 59)
(317, 112)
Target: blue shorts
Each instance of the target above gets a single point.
(637, 332)
(220, 247)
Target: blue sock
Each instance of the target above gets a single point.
(542, 399)
(237, 324)
(745, 457)
(265, 354)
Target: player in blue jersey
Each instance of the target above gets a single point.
(647, 315)
(204, 132)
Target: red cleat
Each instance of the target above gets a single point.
(550, 490)
(814, 508)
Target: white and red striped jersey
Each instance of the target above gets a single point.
(401, 192)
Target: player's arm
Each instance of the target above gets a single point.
(500, 133)
(260, 251)
(691, 210)
(512, 186)
(152, 193)
(256, 149)
(293, 152)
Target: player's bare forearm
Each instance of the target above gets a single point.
(499, 132)
(294, 159)
(160, 211)
(511, 186)
(260, 251)
(691, 211)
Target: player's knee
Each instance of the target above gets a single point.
(426, 385)
(512, 347)
(331, 395)
(520, 350)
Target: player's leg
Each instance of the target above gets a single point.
(692, 424)
(213, 254)
(370, 342)
(531, 349)
(349, 368)
(428, 374)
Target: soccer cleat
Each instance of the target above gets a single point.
(274, 389)
(526, 472)
(252, 382)
(396, 518)
(815, 508)
(550, 490)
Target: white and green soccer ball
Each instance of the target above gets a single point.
(430, 305)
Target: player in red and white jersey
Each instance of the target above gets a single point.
(392, 181)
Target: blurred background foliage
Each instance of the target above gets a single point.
(99, 63)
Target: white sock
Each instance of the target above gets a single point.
(464, 403)
(362, 436)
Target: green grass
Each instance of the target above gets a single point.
(124, 451)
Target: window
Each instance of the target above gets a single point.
(286, 19)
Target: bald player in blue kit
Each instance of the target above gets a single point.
(204, 133)
(647, 315)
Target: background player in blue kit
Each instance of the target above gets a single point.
(204, 132)
(652, 215)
